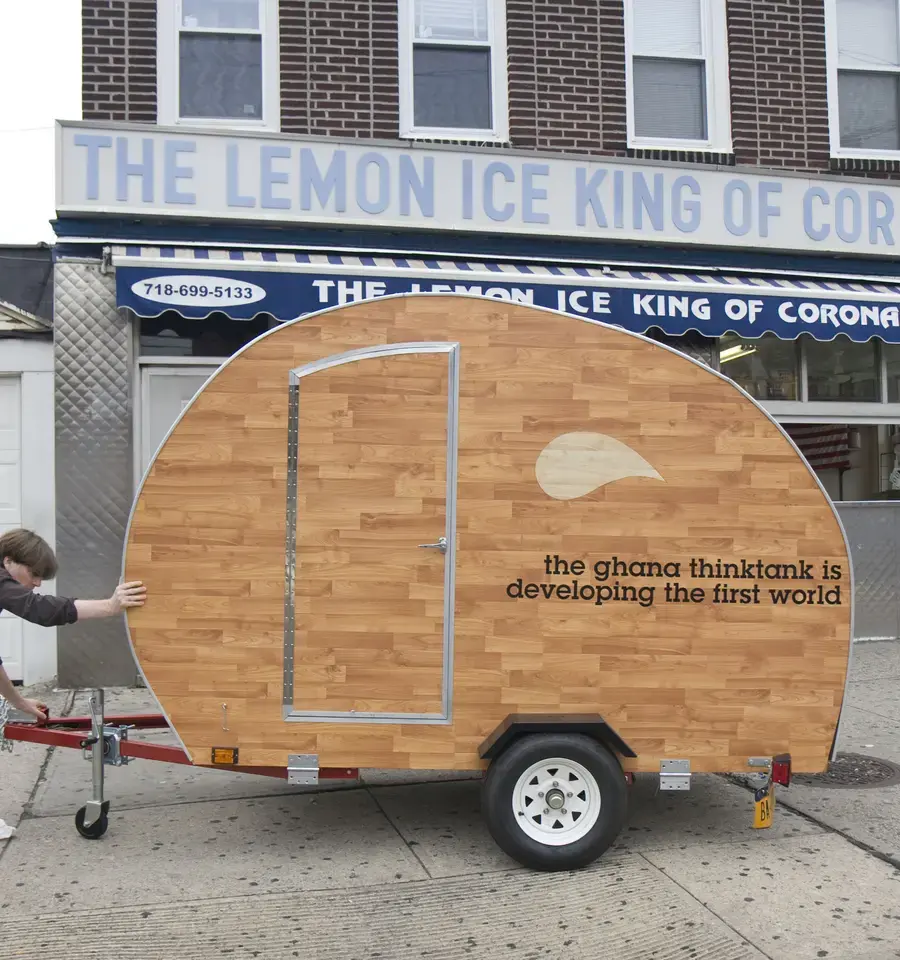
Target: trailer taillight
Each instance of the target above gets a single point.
(781, 769)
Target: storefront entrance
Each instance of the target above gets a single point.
(165, 392)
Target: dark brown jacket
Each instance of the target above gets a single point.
(34, 607)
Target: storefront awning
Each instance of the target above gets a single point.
(242, 284)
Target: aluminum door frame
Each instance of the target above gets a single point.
(296, 375)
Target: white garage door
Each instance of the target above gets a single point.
(10, 507)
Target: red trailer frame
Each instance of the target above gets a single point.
(107, 739)
(63, 732)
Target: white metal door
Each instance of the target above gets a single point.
(165, 392)
(11, 507)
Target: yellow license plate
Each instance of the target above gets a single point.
(764, 803)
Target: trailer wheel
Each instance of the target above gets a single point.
(555, 801)
(96, 829)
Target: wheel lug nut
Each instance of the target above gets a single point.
(546, 809)
(569, 794)
(564, 810)
(555, 783)
(540, 793)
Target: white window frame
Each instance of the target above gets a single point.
(834, 120)
(168, 21)
(714, 44)
(499, 133)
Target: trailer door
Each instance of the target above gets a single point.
(370, 535)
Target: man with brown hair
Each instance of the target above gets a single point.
(25, 561)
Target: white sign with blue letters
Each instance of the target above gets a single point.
(150, 171)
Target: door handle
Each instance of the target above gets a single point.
(440, 545)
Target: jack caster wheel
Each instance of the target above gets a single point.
(555, 801)
(97, 828)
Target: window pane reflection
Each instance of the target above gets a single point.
(171, 335)
(451, 20)
(221, 75)
(692, 343)
(841, 369)
(452, 87)
(227, 14)
(892, 362)
(669, 98)
(766, 368)
(869, 104)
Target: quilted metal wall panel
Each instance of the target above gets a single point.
(93, 347)
(873, 530)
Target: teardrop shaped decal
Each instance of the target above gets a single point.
(573, 465)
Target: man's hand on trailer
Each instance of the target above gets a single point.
(34, 708)
(126, 595)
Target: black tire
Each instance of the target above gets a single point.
(503, 821)
(96, 829)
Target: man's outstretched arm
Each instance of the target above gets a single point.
(47, 611)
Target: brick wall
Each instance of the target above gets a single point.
(566, 62)
(339, 71)
(778, 83)
(119, 60)
(554, 74)
(567, 75)
(779, 90)
(339, 67)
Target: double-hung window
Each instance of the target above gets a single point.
(452, 61)
(864, 77)
(218, 62)
(677, 75)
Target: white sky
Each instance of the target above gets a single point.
(40, 77)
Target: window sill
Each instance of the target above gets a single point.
(224, 124)
(456, 136)
(680, 146)
(852, 153)
(832, 411)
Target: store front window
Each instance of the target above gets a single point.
(840, 369)
(891, 353)
(852, 462)
(171, 335)
(692, 344)
(766, 368)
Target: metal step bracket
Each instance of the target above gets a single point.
(762, 769)
(675, 775)
(303, 769)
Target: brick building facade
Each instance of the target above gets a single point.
(566, 77)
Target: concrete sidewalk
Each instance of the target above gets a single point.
(202, 864)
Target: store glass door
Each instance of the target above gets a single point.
(165, 392)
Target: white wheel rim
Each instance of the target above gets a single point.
(556, 801)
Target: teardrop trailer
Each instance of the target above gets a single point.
(444, 532)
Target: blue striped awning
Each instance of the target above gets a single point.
(242, 283)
